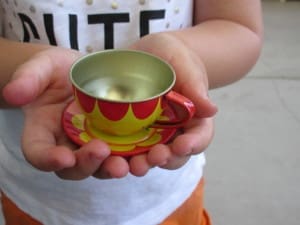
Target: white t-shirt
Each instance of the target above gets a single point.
(90, 25)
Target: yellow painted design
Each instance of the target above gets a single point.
(164, 118)
(78, 121)
(85, 137)
(147, 137)
(121, 140)
(129, 124)
(151, 141)
(122, 148)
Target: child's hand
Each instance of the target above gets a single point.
(42, 87)
(193, 83)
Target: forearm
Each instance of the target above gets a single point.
(13, 54)
(228, 43)
(227, 50)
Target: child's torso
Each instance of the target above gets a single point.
(90, 25)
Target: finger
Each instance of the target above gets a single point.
(112, 167)
(175, 162)
(159, 155)
(29, 80)
(88, 159)
(139, 165)
(48, 157)
(34, 76)
(204, 106)
(162, 156)
(198, 135)
(40, 149)
(195, 85)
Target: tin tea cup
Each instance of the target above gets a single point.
(122, 92)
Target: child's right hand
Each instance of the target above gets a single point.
(42, 88)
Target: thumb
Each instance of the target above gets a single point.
(33, 77)
(204, 105)
(195, 87)
(28, 81)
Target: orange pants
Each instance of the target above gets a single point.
(191, 212)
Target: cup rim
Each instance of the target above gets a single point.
(122, 50)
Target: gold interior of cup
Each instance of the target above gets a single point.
(122, 75)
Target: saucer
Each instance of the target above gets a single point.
(80, 132)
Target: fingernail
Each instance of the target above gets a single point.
(163, 163)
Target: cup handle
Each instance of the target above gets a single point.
(183, 108)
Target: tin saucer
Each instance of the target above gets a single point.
(77, 129)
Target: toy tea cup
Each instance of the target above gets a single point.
(122, 92)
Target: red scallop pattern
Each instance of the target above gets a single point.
(112, 110)
(144, 109)
(116, 111)
(86, 102)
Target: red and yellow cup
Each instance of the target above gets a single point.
(122, 92)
